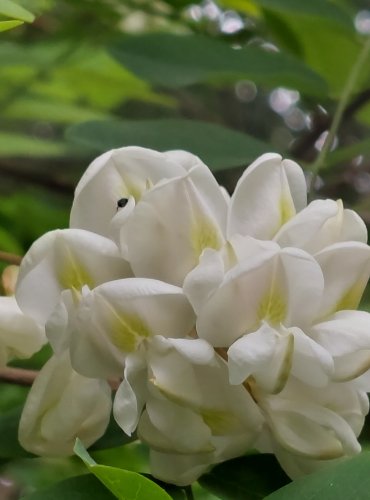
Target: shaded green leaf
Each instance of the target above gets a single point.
(85, 487)
(319, 9)
(332, 50)
(113, 437)
(13, 10)
(125, 485)
(175, 60)
(217, 146)
(348, 153)
(9, 445)
(246, 478)
(349, 479)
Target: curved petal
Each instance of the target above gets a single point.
(266, 355)
(346, 270)
(131, 394)
(117, 174)
(320, 224)
(61, 406)
(20, 335)
(267, 195)
(312, 363)
(65, 259)
(172, 225)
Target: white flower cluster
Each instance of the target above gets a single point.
(230, 323)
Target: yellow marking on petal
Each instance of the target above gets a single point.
(286, 366)
(231, 255)
(351, 298)
(272, 308)
(126, 330)
(148, 184)
(286, 209)
(220, 422)
(204, 234)
(70, 272)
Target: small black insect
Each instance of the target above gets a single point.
(122, 202)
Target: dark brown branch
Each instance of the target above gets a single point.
(322, 122)
(10, 258)
(20, 376)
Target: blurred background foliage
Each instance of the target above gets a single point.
(227, 80)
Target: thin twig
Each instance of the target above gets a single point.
(21, 376)
(189, 493)
(10, 258)
(339, 112)
(17, 376)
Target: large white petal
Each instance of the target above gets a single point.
(266, 196)
(65, 259)
(61, 406)
(117, 174)
(346, 270)
(172, 225)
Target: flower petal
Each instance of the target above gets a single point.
(166, 244)
(65, 259)
(61, 406)
(346, 270)
(266, 196)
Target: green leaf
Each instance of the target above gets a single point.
(18, 145)
(332, 50)
(217, 146)
(13, 10)
(125, 485)
(319, 9)
(349, 479)
(246, 478)
(8, 25)
(175, 60)
(85, 487)
(113, 437)
(9, 445)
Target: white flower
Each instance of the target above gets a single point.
(269, 202)
(307, 428)
(61, 406)
(20, 335)
(120, 317)
(192, 418)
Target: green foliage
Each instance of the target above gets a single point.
(218, 146)
(85, 487)
(246, 478)
(172, 60)
(347, 479)
(125, 485)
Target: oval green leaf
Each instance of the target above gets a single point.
(125, 485)
(13, 10)
(217, 146)
(176, 60)
(349, 479)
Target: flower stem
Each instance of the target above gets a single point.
(342, 104)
